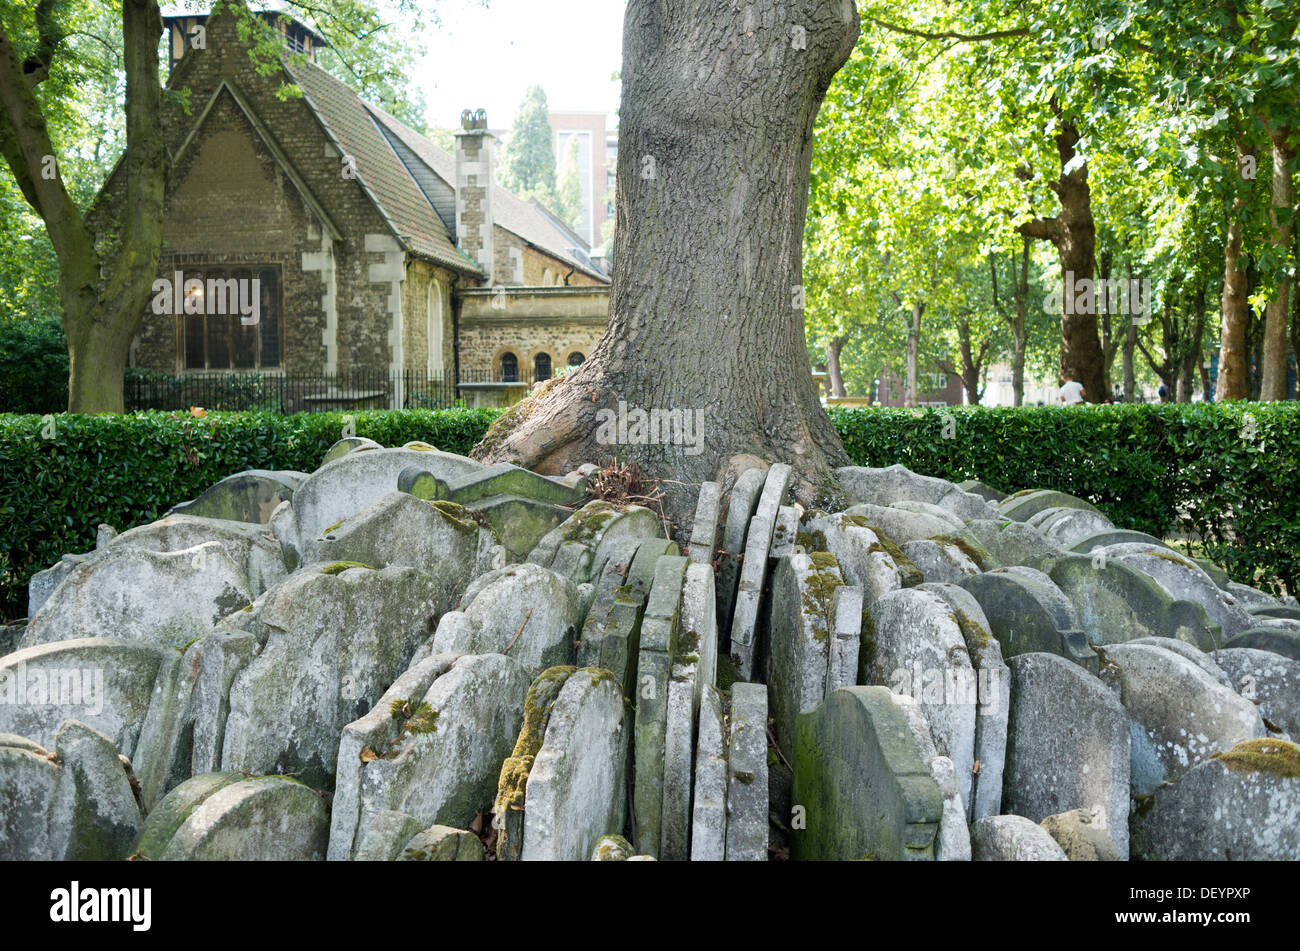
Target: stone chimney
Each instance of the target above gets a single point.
(474, 189)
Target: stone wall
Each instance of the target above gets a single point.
(533, 320)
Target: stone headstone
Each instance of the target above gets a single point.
(134, 594)
(916, 648)
(863, 559)
(940, 562)
(346, 445)
(73, 802)
(577, 786)
(1021, 506)
(1183, 580)
(529, 610)
(993, 693)
(259, 818)
(747, 822)
(399, 529)
(579, 547)
(443, 844)
(1239, 806)
(863, 782)
(334, 640)
(432, 746)
(709, 809)
(502, 478)
(1080, 838)
(1014, 543)
(1116, 602)
(659, 635)
(1277, 640)
(386, 836)
(903, 525)
(1013, 839)
(1181, 714)
(1270, 680)
(1067, 746)
(742, 500)
(1028, 613)
(249, 496)
(704, 530)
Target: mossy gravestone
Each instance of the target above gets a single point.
(862, 782)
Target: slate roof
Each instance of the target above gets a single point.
(508, 209)
(384, 177)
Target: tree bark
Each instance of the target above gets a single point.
(1234, 365)
(1273, 366)
(716, 128)
(100, 314)
(911, 397)
(1074, 235)
(833, 348)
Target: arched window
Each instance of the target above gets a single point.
(547, 277)
(575, 359)
(433, 312)
(541, 367)
(509, 368)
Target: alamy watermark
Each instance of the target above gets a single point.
(62, 687)
(654, 427)
(1122, 296)
(949, 685)
(179, 295)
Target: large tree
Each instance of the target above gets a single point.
(706, 314)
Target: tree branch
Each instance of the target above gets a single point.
(951, 34)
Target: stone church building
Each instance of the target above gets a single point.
(374, 250)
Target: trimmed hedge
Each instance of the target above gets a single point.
(1230, 473)
(129, 470)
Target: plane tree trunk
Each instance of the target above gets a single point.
(706, 313)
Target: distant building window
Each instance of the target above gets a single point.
(509, 368)
(214, 335)
(575, 359)
(547, 277)
(542, 367)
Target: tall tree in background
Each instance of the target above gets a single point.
(706, 315)
(528, 159)
(569, 198)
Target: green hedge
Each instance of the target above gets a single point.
(1156, 468)
(1229, 473)
(129, 470)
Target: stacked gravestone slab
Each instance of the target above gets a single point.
(1027, 612)
(709, 810)
(916, 647)
(694, 670)
(1182, 713)
(580, 546)
(432, 747)
(1239, 805)
(814, 629)
(249, 496)
(660, 630)
(863, 558)
(399, 529)
(1067, 745)
(576, 789)
(521, 506)
(1183, 580)
(130, 593)
(952, 841)
(1116, 602)
(72, 803)
(334, 639)
(862, 781)
(742, 501)
(747, 791)
(1270, 680)
(234, 817)
(993, 694)
(746, 625)
(529, 611)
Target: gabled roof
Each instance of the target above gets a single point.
(385, 179)
(508, 209)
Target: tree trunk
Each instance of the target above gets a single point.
(1130, 343)
(1074, 236)
(1234, 365)
(100, 314)
(910, 395)
(706, 317)
(1273, 366)
(971, 364)
(833, 348)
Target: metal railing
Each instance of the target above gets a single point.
(295, 392)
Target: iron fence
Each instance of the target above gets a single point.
(293, 392)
